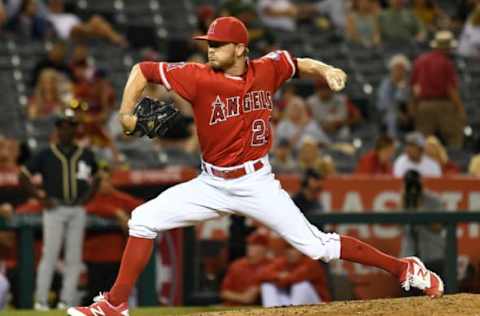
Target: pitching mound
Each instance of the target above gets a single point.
(451, 305)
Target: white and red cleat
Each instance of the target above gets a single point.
(100, 307)
(418, 276)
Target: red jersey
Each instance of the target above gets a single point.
(370, 164)
(232, 113)
(242, 275)
(306, 269)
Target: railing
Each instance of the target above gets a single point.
(26, 225)
(449, 220)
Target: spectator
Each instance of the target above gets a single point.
(335, 10)
(28, 23)
(281, 100)
(6, 212)
(231, 7)
(425, 241)
(469, 45)
(55, 59)
(379, 160)
(49, 96)
(362, 24)
(12, 7)
(394, 96)
(261, 39)
(98, 99)
(278, 14)
(333, 111)
(414, 158)
(429, 13)
(293, 279)
(435, 150)
(70, 26)
(310, 157)
(438, 106)
(297, 124)
(474, 166)
(103, 262)
(464, 9)
(205, 16)
(307, 199)
(241, 283)
(67, 172)
(3, 14)
(9, 153)
(282, 160)
(399, 24)
(94, 102)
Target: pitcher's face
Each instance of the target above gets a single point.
(221, 55)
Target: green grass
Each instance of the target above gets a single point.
(161, 311)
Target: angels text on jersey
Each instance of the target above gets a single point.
(222, 110)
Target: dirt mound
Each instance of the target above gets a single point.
(451, 305)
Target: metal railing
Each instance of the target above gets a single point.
(26, 225)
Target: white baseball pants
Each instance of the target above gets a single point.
(301, 293)
(257, 195)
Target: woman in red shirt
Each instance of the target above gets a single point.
(378, 160)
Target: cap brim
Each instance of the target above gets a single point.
(453, 44)
(209, 38)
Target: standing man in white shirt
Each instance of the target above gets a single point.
(414, 158)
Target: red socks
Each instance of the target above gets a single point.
(135, 257)
(138, 251)
(354, 250)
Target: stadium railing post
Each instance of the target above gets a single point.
(26, 266)
(451, 255)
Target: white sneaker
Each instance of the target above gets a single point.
(62, 305)
(418, 276)
(41, 307)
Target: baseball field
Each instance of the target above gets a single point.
(449, 305)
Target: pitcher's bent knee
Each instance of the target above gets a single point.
(324, 246)
(141, 223)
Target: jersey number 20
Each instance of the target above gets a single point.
(259, 133)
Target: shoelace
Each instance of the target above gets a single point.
(419, 282)
(99, 297)
(406, 284)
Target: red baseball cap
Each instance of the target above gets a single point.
(226, 29)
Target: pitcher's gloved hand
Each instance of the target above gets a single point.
(154, 118)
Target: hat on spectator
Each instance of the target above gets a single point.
(226, 29)
(443, 40)
(258, 239)
(66, 116)
(415, 138)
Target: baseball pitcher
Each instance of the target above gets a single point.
(231, 97)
